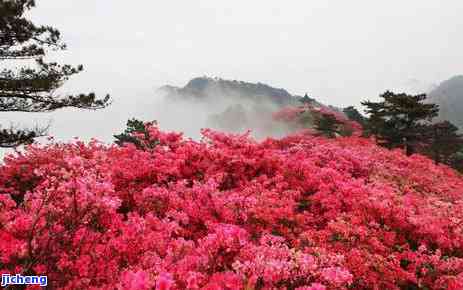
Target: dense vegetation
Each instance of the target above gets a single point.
(397, 121)
(303, 212)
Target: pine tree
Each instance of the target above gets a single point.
(456, 160)
(354, 115)
(328, 125)
(445, 142)
(31, 88)
(136, 134)
(306, 100)
(400, 120)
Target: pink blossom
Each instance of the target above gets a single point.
(164, 281)
(136, 280)
(230, 212)
(313, 286)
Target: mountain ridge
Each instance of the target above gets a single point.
(204, 87)
(449, 96)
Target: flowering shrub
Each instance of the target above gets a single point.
(306, 118)
(228, 212)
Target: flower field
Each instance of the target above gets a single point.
(229, 212)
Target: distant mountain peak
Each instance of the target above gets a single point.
(203, 87)
(449, 96)
(450, 84)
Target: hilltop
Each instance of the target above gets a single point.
(449, 96)
(207, 87)
(236, 106)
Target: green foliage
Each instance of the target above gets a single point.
(136, 129)
(445, 142)
(457, 160)
(354, 115)
(328, 125)
(400, 120)
(31, 89)
(13, 138)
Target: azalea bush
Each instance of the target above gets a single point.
(228, 212)
(318, 120)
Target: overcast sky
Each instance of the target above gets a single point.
(340, 52)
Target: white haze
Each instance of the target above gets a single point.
(186, 115)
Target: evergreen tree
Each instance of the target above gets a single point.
(307, 100)
(31, 88)
(354, 115)
(400, 120)
(456, 161)
(136, 134)
(445, 142)
(328, 125)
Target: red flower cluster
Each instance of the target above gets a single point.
(231, 213)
